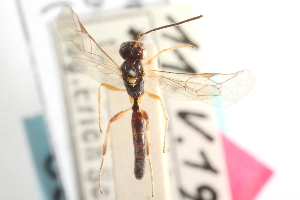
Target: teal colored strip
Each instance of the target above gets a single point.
(43, 158)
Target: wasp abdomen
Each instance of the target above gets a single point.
(139, 142)
(140, 155)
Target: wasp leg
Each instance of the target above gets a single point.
(110, 87)
(154, 96)
(145, 116)
(149, 62)
(113, 119)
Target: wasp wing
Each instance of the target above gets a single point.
(219, 90)
(89, 58)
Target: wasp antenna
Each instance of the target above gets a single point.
(140, 36)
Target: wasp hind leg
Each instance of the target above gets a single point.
(113, 119)
(148, 156)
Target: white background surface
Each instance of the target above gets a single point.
(18, 99)
(262, 36)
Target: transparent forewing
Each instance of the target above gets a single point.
(89, 58)
(220, 90)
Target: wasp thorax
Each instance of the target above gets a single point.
(132, 49)
(132, 70)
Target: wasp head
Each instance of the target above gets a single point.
(132, 49)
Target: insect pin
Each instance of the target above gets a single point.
(220, 90)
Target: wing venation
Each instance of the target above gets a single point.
(220, 90)
(89, 58)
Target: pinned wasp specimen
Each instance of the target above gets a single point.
(220, 90)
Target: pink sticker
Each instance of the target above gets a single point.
(247, 175)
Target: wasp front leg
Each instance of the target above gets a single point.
(150, 61)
